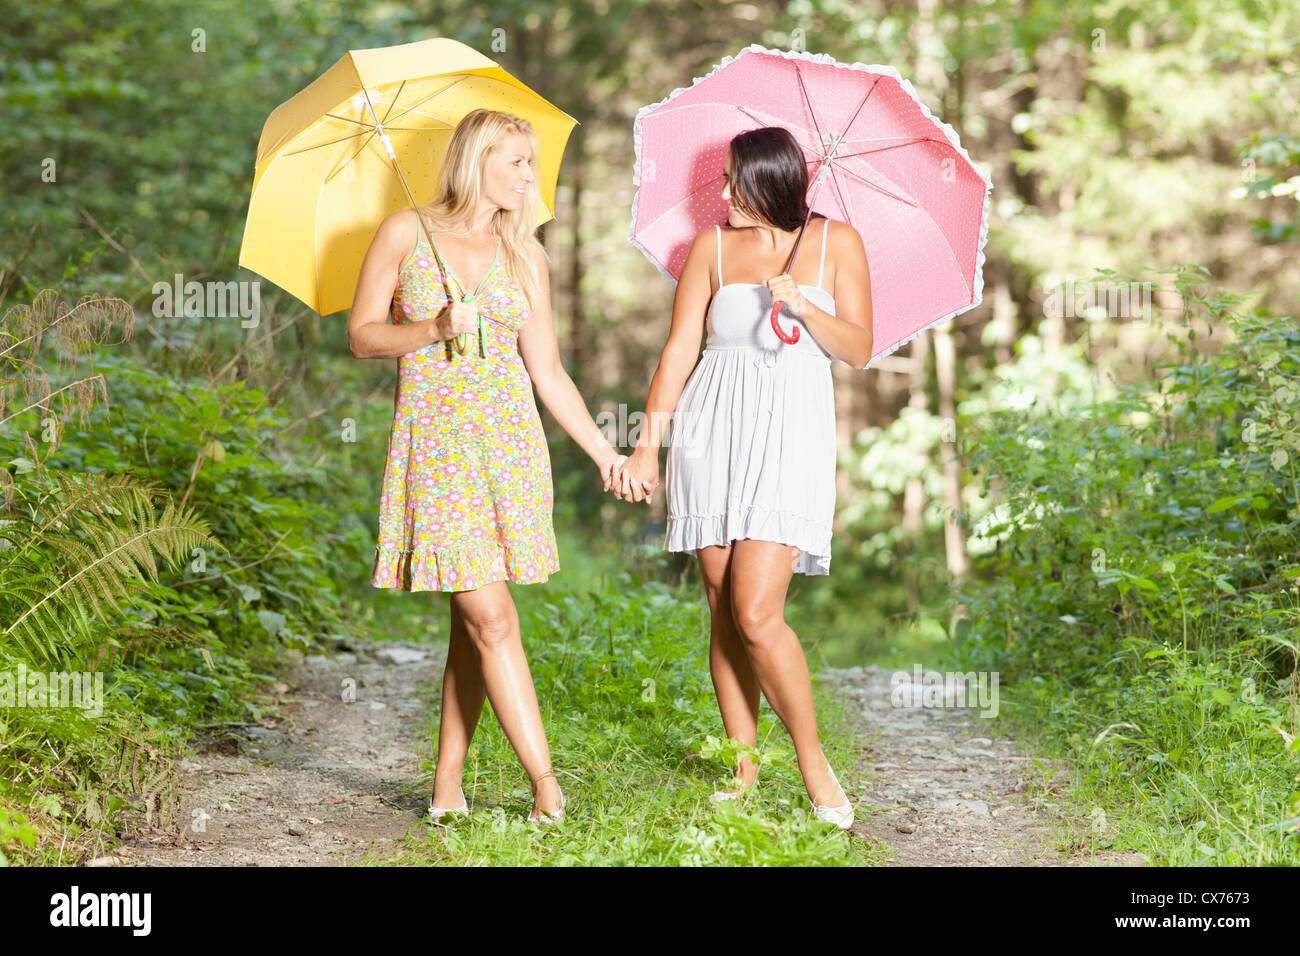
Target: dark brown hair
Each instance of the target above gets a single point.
(769, 176)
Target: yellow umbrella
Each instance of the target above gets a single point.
(326, 159)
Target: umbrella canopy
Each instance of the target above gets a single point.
(328, 168)
(877, 159)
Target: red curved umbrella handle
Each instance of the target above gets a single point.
(776, 326)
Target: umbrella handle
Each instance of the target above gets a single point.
(776, 326)
(462, 340)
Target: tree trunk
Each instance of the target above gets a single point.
(945, 366)
(914, 494)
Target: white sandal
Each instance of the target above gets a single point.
(842, 817)
(437, 813)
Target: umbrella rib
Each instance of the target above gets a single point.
(305, 149)
(946, 244)
(808, 100)
(856, 112)
(437, 119)
(843, 202)
(431, 96)
(396, 96)
(409, 109)
(881, 149)
(728, 106)
(351, 158)
(657, 114)
(348, 119)
(360, 132)
(685, 198)
(751, 115)
(801, 129)
(867, 182)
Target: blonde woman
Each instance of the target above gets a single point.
(466, 502)
(751, 462)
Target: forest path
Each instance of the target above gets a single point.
(332, 780)
(948, 791)
(323, 785)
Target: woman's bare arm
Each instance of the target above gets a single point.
(846, 335)
(852, 296)
(369, 334)
(541, 354)
(639, 476)
(682, 349)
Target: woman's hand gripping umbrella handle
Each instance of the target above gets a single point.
(776, 305)
(461, 342)
(776, 326)
(793, 337)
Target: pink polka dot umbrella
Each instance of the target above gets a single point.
(877, 159)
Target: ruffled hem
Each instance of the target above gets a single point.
(689, 533)
(462, 569)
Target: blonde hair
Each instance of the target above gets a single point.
(460, 186)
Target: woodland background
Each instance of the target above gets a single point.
(1102, 508)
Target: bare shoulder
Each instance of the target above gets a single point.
(540, 258)
(706, 241)
(398, 230)
(705, 236)
(843, 238)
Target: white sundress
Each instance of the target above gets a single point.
(752, 451)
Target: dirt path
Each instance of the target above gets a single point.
(945, 795)
(324, 785)
(333, 780)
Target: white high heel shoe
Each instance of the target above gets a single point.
(437, 813)
(842, 817)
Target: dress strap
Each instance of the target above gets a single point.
(822, 265)
(719, 231)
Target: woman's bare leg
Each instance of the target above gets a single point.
(463, 693)
(760, 576)
(492, 623)
(734, 680)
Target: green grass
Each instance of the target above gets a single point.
(621, 669)
(1141, 605)
(1190, 765)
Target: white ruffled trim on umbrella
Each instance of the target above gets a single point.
(880, 68)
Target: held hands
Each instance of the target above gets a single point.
(634, 478)
(609, 467)
(785, 289)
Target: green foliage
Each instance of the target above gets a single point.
(87, 540)
(1130, 540)
(1281, 152)
(14, 829)
(160, 543)
(1140, 596)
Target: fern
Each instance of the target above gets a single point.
(60, 579)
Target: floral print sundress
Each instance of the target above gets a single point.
(467, 494)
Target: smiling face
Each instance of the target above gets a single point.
(511, 169)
